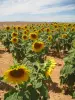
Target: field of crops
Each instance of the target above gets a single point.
(37, 53)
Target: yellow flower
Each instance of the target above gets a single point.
(17, 75)
(48, 72)
(25, 27)
(53, 62)
(37, 46)
(50, 37)
(25, 37)
(25, 32)
(51, 67)
(14, 34)
(48, 30)
(14, 27)
(14, 40)
(65, 28)
(18, 27)
(64, 35)
(7, 27)
(73, 29)
(33, 36)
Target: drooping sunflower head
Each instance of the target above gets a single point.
(14, 40)
(17, 75)
(48, 72)
(14, 34)
(50, 37)
(51, 66)
(24, 37)
(37, 46)
(33, 36)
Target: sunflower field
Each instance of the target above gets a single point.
(29, 45)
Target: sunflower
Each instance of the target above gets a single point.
(24, 37)
(18, 27)
(48, 29)
(50, 37)
(14, 34)
(14, 40)
(73, 29)
(51, 67)
(17, 75)
(7, 27)
(64, 35)
(37, 46)
(65, 29)
(14, 27)
(26, 32)
(48, 72)
(33, 36)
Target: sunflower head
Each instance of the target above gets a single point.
(73, 29)
(37, 46)
(18, 27)
(24, 37)
(48, 72)
(14, 34)
(65, 28)
(48, 29)
(33, 36)
(64, 35)
(14, 27)
(17, 75)
(25, 27)
(14, 40)
(50, 37)
(50, 67)
(7, 27)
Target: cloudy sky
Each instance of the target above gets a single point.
(37, 10)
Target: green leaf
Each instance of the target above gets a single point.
(1, 78)
(33, 92)
(38, 85)
(11, 95)
(73, 96)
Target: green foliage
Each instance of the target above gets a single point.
(73, 96)
(35, 88)
(67, 74)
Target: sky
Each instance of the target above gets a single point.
(37, 10)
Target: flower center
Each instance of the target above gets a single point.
(17, 73)
(14, 39)
(33, 36)
(24, 37)
(14, 34)
(37, 45)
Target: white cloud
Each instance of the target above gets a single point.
(11, 7)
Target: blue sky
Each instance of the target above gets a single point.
(37, 10)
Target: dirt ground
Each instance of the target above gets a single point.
(54, 91)
(2, 24)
